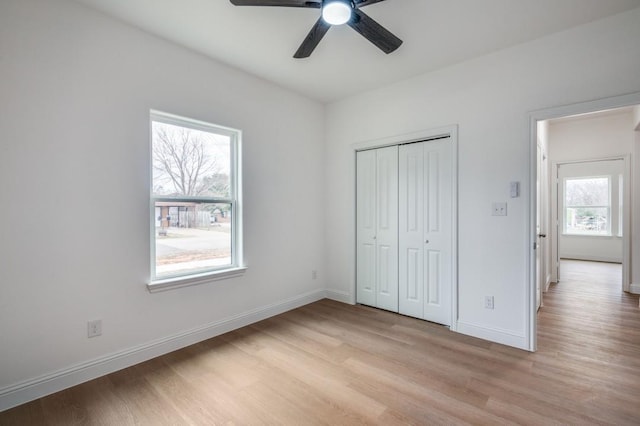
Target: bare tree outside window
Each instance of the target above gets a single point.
(587, 206)
(588, 192)
(189, 162)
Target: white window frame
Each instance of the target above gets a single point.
(237, 266)
(565, 207)
(620, 204)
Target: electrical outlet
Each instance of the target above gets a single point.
(314, 274)
(488, 302)
(499, 209)
(94, 328)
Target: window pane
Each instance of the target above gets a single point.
(587, 192)
(192, 237)
(190, 162)
(587, 220)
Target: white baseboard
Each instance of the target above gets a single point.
(38, 387)
(634, 288)
(496, 335)
(340, 296)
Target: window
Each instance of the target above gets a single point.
(587, 206)
(620, 206)
(195, 200)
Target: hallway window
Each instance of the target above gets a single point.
(587, 206)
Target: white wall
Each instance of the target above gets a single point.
(76, 88)
(590, 137)
(490, 99)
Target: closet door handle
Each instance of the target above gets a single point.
(426, 241)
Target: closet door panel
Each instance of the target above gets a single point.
(438, 231)
(387, 228)
(366, 227)
(411, 230)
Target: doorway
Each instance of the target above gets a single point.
(550, 215)
(590, 212)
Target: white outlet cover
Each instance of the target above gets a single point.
(94, 328)
(488, 302)
(499, 209)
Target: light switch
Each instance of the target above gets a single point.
(515, 189)
(499, 209)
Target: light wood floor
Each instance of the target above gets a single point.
(330, 363)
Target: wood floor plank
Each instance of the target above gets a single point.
(329, 363)
(30, 413)
(146, 405)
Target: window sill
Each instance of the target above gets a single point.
(186, 281)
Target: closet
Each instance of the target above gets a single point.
(405, 229)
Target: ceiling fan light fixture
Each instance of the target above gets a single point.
(336, 12)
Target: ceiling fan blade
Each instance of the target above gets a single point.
(313, 38)
(285, 3)
(374, 32)
(362, 3)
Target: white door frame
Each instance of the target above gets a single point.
(548, 114)
(446, 131)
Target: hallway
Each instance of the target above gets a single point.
(590, 331)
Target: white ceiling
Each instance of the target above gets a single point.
(436, 33)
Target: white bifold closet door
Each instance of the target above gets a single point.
(377, 228)
(425, 230)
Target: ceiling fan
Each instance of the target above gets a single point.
(335, 12)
